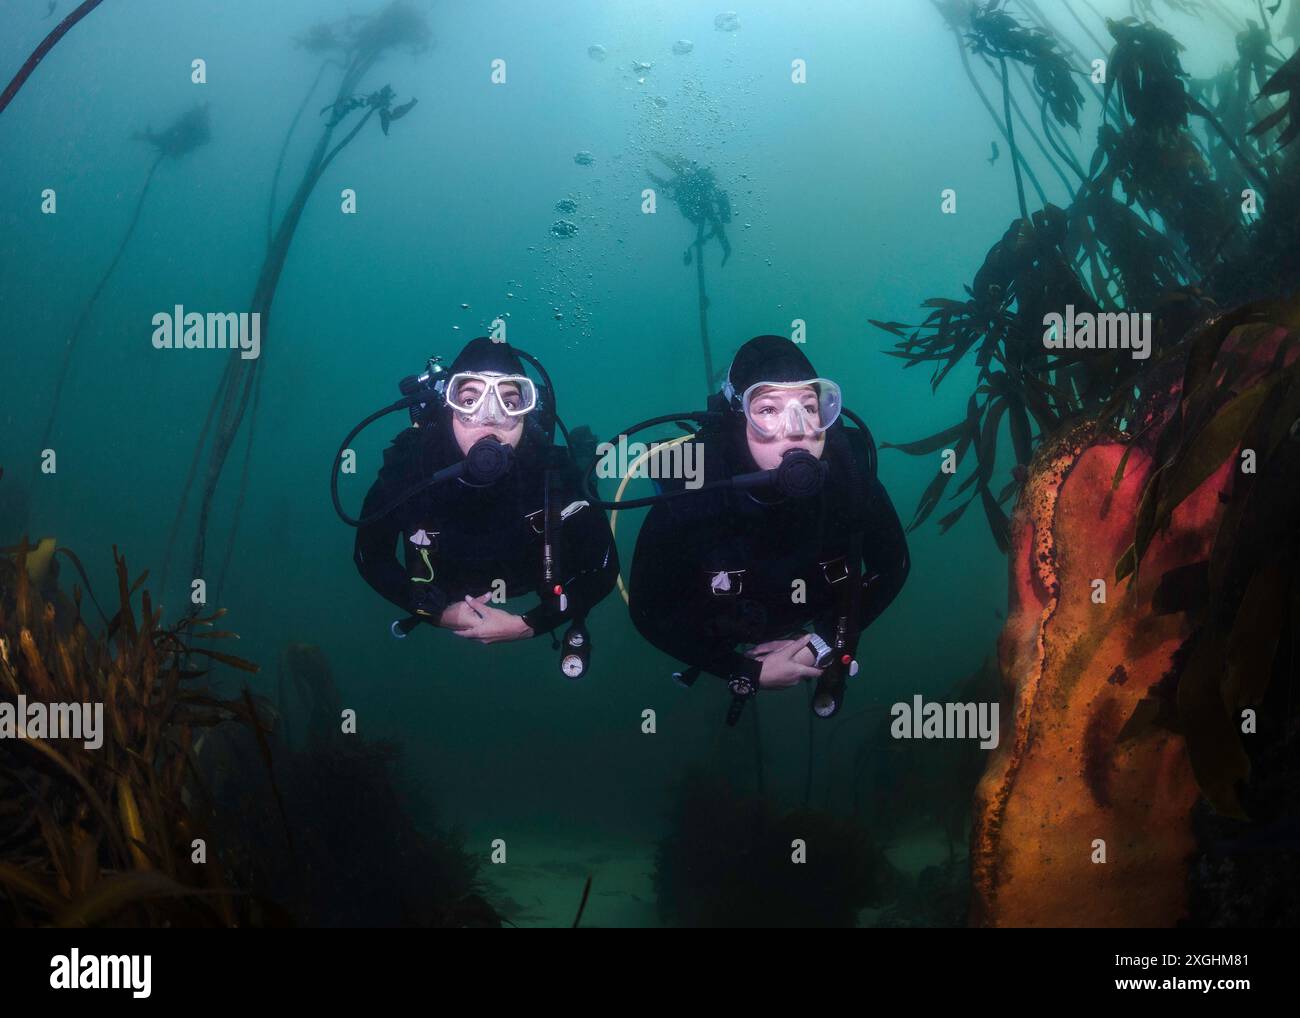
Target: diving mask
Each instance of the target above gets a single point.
(792, 409)
(488, 397)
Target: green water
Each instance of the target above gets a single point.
(835, 186)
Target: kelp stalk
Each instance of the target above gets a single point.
(998, 122)
(397, 24)
(39, 53)
(1011, 139)
(89, 306)
(704, 309)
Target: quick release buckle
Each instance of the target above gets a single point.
(537, 518)
(835, 570)
(727, 582)
(425, 539)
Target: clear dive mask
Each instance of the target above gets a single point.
(480, 398)
(792, 409)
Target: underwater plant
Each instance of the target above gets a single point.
(1285, 80)
(104, 834)
(328, 837)
(42, 50)
(694, 189)
(356, 43)
(187, 132)
(305, 831)
(725, 862)
(1018, 378)
(1238, 401)
(1169, 706)
(995, 33)
(1101, 254)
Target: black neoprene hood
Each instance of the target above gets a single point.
(761, 359)
(768, 359)
(482, 354)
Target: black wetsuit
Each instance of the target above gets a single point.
(680, 601)
(458, 539)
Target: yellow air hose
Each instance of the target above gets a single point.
(618, 495)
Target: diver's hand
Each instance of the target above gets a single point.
(762, 650)
(784, 668)
(462, 614)
(493, 625)
(804, 656)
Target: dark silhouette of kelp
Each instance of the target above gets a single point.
(1285, 81)
(344, 851)
(695, 190)
(359, 42)
(1103, 253)
(39, 54)
(186, 133)
(997, 34)
(726, 861)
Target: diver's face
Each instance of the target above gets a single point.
(772, 438)
(505, 429)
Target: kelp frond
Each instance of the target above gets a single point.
(105, 834)
(1239, 401)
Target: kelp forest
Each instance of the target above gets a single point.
(1145, 498)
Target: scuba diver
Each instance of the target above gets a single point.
(790, 546)
(485, 506)
(695, 190)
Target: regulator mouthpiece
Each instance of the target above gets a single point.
(488, 460)
(799, 474)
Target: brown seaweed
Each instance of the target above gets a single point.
(1103, 252)
(105, 835)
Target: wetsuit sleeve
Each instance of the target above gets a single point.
(589, 565)
(666, 600)
(885, 561)
(374, 551)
